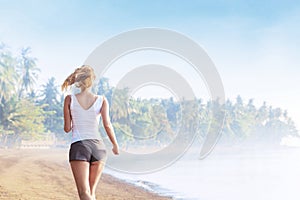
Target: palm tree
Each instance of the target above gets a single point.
(28, 71)
(52, 107)
(119, 105)
(103, 88)
(50, 92)
(172, 110)
(190, 117)
(229, 121)
(8, 90)
(8, 77)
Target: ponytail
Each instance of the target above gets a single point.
(69, 81)
(83, 77)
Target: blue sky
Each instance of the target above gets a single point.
(255, 45)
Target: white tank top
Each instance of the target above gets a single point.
(85, 122)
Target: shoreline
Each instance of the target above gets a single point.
(144, 193)
(147, 186)
(45, 174)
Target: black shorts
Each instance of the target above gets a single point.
(88, 150)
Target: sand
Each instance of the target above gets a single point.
(45, 174)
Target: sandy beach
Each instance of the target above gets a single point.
(45, 174)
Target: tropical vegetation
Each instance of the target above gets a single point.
(29, 111)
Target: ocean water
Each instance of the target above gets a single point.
(227, 174)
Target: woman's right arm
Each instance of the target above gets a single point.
(67, 114)
(108, 126)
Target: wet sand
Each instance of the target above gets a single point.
(45, 174)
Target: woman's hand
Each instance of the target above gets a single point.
(115, 149)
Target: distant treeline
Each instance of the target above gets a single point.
(28, 113)
(159, 120)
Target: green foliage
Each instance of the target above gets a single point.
(161, 119)
(20, 117)
(8, 75)
(27, 114)
(123, 134)
(27, 120)
(263, 124)
(52, 103)
(28, 71)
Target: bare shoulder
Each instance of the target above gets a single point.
(103, 97)
(104, 100)
(68, 99)
(104, 105)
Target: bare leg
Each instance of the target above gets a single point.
(80, 171)
(96, 169)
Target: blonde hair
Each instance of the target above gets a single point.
(82, 77)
